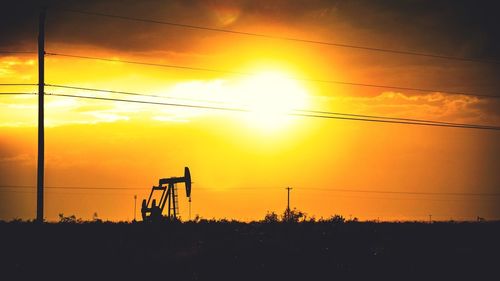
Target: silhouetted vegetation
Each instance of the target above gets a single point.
(69, 219)
(209, 249)
(293, 216)
(336, 219)
(271, 217)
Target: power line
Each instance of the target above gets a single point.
(284, 38)
(147, 63)
(151, 102)
(16, 52)
(121, 92)
(403, 192)
(299, 110)
(67, 193)
(59, 193)
(391, 118)
(18, 84)
(402, 122)
(74, 187)
(451, 125)
(293, 78)
(267, 188)
(17, 93)
(428, 123)
(359, 116)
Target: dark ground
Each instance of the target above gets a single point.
(250, 251)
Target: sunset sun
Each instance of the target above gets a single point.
(271, 96)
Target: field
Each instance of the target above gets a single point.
(211, 250)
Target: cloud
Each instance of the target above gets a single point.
(461, 27)
(15, 68)
(23, 158)
(430, 106)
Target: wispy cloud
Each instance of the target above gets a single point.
(434, 106)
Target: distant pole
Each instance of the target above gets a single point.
(135, 205)
(190, 208)
(288, 203)
(430, 218)
(288, 198)
(41, 128)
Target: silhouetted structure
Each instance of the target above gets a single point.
(135, 207)
(153, 211)
(287, 215)
(41, 122)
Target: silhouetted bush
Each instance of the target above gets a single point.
(95, 218)
(335, 219)
(293, 215)
(271, 217)
(197, 218)
(69, 219)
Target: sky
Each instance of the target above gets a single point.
(100, 153)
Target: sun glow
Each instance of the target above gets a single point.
(270, 97)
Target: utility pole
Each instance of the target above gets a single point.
(288, 198)
(189, 208)
(430, 218)
(135, 206)
(41, 123)
(288, 203)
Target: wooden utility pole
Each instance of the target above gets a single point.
(287, 212)
(41, 127)
(288, 198)
(135, 206)
(190, 208)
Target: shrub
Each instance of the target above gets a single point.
(95, 218)
(336, 219)
(271, 217)
(69, 219)
(293, 215)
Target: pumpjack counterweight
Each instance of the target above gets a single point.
(151, 211)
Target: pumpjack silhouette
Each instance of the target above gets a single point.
(153, 212)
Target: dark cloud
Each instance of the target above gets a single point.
(447, 27)
(468, 28)
(451, 27)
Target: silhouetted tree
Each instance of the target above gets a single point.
(271, 217)
(293, 215)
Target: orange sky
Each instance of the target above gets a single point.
(241, 162)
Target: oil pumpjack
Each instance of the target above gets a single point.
(153, 212)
